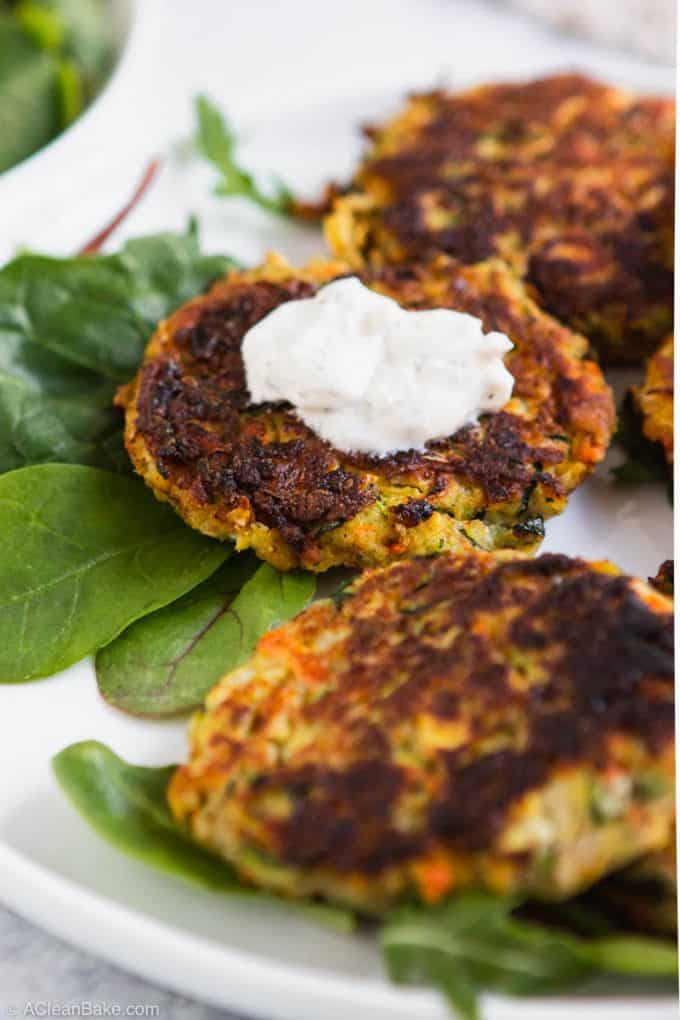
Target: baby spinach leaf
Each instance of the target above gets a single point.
(126, 806)
(71, 329)
(84, 553)
(167, 662)
(217, 142)
(99, 311)
(52, 410)
(165, 270)
(473, 942)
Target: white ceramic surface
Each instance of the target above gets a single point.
(261, 960)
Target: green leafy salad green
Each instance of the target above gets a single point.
(84, 554)
(475, 942)
(92, 564)
(54, 57)
(217, 142)
(72, 330)
(166, 663)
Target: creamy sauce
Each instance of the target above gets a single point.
(367, 375)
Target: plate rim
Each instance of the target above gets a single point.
(254, 982)
(122, 936)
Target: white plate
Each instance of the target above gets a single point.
(262, 960)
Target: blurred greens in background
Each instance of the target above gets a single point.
(54, 57)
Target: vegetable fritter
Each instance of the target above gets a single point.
(654, 398)
(259, 475)
(569, 180)
(448, 722)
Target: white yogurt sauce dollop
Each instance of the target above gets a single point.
(367, 375)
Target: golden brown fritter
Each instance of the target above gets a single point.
(654, 398)
(569, 180)
(447, 722)
(258, 475)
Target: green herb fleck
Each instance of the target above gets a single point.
(343, 592)
(470, 539)
(531, 526)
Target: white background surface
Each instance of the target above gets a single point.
(295, 76)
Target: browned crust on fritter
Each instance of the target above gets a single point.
(611, 670)
(454, 685)
(568, 179)
(655, 398)
(235, 470)
(664, 579)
